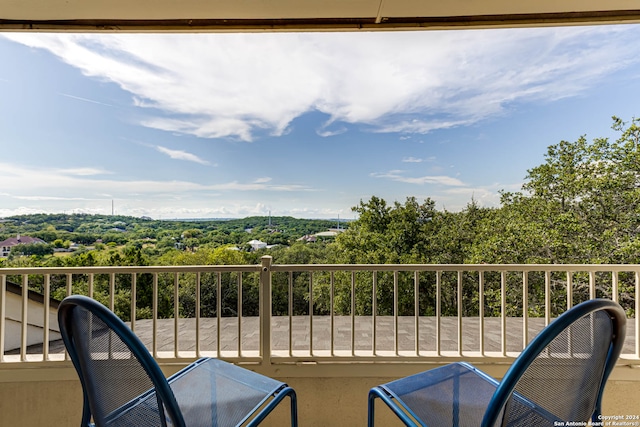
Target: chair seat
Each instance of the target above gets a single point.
(209, 392)
(458, 395)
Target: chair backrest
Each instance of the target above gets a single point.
(122, 383)
(563, 370)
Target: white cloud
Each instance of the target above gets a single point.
(83, 171)
(29, 183)
(236, 85)
(181, 155)
(49, 198)
(412, 160)
(398, 176)
(327, 133)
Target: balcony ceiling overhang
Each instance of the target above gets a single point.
(305, 15)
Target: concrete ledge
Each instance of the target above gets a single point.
(49, 393)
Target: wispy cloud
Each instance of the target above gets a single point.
(412, 160)
(31, 183)
(50, 198)
(397, 175)
(326, 133)
(414, 82)
(181, 155)
(85, 99)
(83, 171)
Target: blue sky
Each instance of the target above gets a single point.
(301, 124)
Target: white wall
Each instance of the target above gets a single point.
(35, 322)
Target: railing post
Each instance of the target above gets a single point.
(265, 310)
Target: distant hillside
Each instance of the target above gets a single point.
(87, 229)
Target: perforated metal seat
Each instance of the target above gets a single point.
(124, 387)
(560, 376)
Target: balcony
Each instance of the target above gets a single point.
(330, 331)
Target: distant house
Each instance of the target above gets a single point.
(331, 233)
(257, 244)
(6, 245)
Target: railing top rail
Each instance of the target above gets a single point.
(130, 269)
(459, 267)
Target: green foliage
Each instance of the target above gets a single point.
(27, 249)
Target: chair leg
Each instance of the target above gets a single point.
(389, 401)
(294, 408)
(287, 391)
(370, 409)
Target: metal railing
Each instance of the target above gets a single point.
(280, 314)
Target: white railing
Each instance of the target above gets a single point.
(281, 314)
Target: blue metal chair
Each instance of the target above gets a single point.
(560, 376)
(123, 386)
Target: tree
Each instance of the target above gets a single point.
(586, 197)
(38, 249)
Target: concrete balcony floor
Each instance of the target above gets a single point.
(363, 336)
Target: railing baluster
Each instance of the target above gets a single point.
(239, 281)
(374, 312)
(332, 314)
(569, 290)
(25, 317)
(311, 313)
(525, 309)
(176, 313)
(69, 291)
(481, 311)
(69, 284)
(438, 311)
(290, 313)
(218, 312)
(592, 284)
(547, 297)
(569, 305)
(154, 303)
(134, 282)
(614, 286)
(395, 310)
(353, 313)
(503, 311)
(198, 291)
(45, 323)
(112, 291)
(459, 304)
(416, 296)
(637, 314)
(90, 286)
